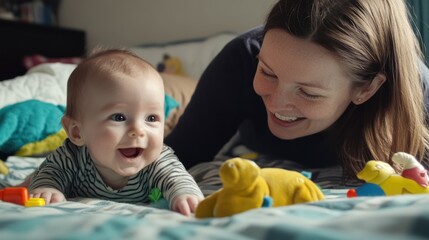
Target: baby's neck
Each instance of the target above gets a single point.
(114, 181)
(116, 184)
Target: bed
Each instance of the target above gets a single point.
(32, 104)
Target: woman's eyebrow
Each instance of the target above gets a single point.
(312, 84)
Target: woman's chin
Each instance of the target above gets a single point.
(285, 134)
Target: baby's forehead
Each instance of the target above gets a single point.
(133, 69)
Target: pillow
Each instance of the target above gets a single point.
(194, 54)
(180, 88)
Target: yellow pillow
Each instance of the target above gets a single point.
(180, 88)
(3, 168)
(49, 144)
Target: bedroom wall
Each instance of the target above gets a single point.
(131, 22)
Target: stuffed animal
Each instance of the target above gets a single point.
(246, 186)
(382, 180)
(171, 65)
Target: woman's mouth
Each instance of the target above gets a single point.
(288, 119)
(131, 152)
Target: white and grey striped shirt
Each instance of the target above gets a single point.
(70, 169)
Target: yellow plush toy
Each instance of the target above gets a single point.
(382, 180)
(171, 65)
(246, 186)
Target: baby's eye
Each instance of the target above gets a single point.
(152, 118)
(118, 117)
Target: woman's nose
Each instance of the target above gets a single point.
(282, 99)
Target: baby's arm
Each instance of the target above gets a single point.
(51, 195)
(53, 177)
(176, 184)
(186, 204)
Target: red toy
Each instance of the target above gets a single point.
(19, 195)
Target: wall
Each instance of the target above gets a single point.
(130, 22)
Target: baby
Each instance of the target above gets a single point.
(115, 122)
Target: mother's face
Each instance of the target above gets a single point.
(303, 85)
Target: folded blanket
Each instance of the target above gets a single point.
(27, 121)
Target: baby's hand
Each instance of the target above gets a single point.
(51, 195)
(186, 204)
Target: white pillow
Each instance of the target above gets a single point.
(195, 55)
(45, 82)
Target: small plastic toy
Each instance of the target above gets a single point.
(382, 180)
(246, 186)
(19, 195)
(155, 195)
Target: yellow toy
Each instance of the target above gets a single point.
(171, 65)
(3, 168)
(246, 186)
(382, 180)
(19, 195)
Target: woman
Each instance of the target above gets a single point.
(324, 82)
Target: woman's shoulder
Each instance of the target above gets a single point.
(248, 43)
(253, 35)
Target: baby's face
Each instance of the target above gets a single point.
(122, 122)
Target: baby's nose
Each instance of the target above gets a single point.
(136, 132)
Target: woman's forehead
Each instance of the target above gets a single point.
(300, 60)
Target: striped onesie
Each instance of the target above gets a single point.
(70, 169)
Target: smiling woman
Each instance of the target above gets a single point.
(302, 101)
(322, 83)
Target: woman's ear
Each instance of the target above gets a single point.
(367, 91)
(72, 128)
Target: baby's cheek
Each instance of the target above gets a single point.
(101, 140)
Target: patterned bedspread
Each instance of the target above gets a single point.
(399, 217)
(404, 217)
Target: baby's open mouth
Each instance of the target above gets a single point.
(131, 152)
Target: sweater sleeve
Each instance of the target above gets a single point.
(56, 171)
(171, 177)
(218, 105)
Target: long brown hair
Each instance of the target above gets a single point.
(369, 37)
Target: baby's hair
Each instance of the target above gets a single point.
(102, 60)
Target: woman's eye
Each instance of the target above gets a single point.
(118, 117)
(152, 118)
(308, 95)
(267, 74)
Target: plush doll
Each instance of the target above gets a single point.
(246, 186)
(382, 180)
(171, 65)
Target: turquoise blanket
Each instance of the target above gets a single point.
(26, 122)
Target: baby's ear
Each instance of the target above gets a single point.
(72, 128)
